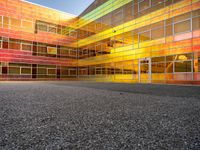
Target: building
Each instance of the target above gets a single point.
(135, 41)
(34, 42)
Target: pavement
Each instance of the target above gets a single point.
(86, 115)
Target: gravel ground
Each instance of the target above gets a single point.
(85, 115)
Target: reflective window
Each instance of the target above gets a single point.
(168, 30)
(14, 44)
(6, 22)
(183, 66)
(42, 27)
(0, 68)
(196, 23)
(17, 69)
(157, 33)
(52, 29)
(1, 43)
(26, 46)
(182, 17)
(156, 2)
(1, 21)
(199, 64)
(145, 36)
(182, 27)
(144, 4)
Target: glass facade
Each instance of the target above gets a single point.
(135, 41)
(35, 42)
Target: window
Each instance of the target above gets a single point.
(83, 71)
(59, 29)
(157, 33)
(183, 66)
(98, 49)
(128, 11)
(145, 36)
(72, 72)
(17, 69)
(25, 71)
(51, 50)
(14, 44)
(199, 63)
(73, 33)
(98, 25)
(42, 70)
(119, 42)
(64, 71)
(73, 53)
(5, 42)
(65, 31)
(196, 23)
(156, 2)
(98, 70)
(6, 22)
(168, 2)
(182, 23)
(179, 63)
(1, 43)
(175, 1)
(182, 27)
(46, 71)
(158, 65)
(42, 49)
(106, 21)
(168, 30)
(42, 27)
(1, 21)
(52, 29)
(64, 51)
(27, 25)
(0, 67)
(144, 4)
(51, 71)
(117, 17)
(14, 70)
(26, 46)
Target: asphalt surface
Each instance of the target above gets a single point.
(85, 115)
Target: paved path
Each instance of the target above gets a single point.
(84, 115)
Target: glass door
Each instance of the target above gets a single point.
(145, 70)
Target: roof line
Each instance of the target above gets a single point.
(49, 8)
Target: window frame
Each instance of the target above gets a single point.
(1, 44)
(1, 17)
(23, 43)
(49, 74)
(8, 22)
(181, 21)
(25, 68)
(52, 26)
(1, 67)
(139, 33)
(140, 10)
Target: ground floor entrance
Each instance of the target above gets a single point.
(144, 73)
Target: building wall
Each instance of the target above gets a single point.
(34, 42)
(147, 41)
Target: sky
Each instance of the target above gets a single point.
(74, 7)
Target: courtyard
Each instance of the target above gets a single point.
(88, 115)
